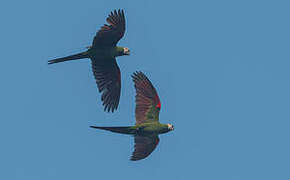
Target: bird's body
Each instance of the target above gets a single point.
(147, 127)
(93, 53)
(103, 53)
(151, 128)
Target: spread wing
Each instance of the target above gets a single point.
(147, 100)
(111, 33)
(144, 146)
(108, 79)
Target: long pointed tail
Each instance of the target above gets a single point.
(68, 58)
(122, 130)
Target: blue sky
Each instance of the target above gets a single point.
(221, 69)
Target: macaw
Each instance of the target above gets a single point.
(147, 127)
(103, 53)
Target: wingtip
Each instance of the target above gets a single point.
(132, 158)
(109, 109)
(135, 158)
(137, 74)
(119, 11)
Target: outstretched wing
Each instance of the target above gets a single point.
(144, 146)
(111, 33)
(147, 100)
(108, 78)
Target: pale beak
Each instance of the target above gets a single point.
(127, 52)
(170, 127)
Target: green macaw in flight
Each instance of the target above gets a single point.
(103, 53)
(147, 127)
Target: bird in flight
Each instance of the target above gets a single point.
(147, 127)
(103, 53)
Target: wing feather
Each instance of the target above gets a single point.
(108, 79)
(144, 146)
(147, 101)
(111, 33)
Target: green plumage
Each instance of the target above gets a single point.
(103, 53)
(100, 52)
(147, 126)
(154, 128)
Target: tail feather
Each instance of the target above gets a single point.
(68, 58)
(122, 130)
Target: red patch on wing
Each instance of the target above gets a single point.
(158, 104)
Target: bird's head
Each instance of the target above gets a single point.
(126, 51)
(170, 127)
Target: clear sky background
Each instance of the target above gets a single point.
(221, 69)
